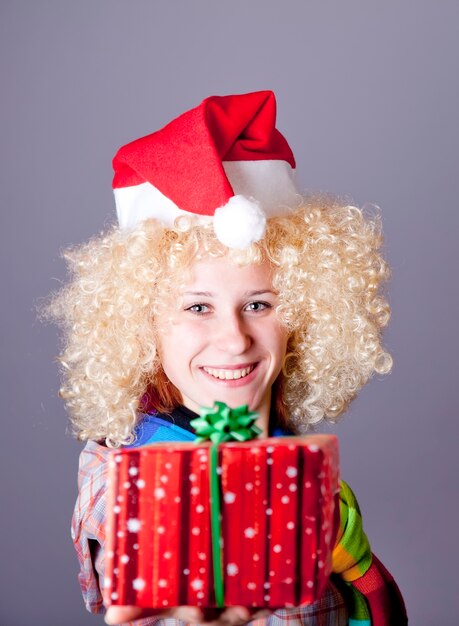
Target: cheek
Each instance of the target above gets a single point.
(280, 335)
(167, 344)
(278, 338)
(281, 350)
(177, 345)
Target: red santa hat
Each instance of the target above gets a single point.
(223, 161)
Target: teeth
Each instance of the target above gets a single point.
(229, 374)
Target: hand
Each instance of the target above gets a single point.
(230, 616)
(121, 614)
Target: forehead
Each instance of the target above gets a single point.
(222, 274)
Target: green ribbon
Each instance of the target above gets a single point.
(219, 424)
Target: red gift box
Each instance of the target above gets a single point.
(279, 512)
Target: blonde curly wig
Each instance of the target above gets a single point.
(327, 269)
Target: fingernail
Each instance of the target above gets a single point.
(242, 613)
(193, 615)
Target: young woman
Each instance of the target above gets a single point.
(222, 283)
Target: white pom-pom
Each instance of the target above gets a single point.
(239, 223)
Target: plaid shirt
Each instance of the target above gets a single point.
(88, 534)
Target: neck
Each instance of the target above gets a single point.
(263, 411)
(263, 419)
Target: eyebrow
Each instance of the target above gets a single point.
(247, 294)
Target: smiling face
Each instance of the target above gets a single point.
(225, 342)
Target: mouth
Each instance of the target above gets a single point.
(221, 373)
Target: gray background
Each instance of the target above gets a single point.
(368, 98)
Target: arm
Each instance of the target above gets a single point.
(88, 532)
(373, 593)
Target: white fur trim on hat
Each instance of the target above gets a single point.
(270, 182)
(239, 223)
(262, 189)
(140, 202)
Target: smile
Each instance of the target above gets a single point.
(229, 374)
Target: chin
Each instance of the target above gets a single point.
(234, 401)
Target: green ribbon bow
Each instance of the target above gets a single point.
(219, 424)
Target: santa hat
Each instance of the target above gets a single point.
(223, 161)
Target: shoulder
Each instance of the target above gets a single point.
(93, 463)
(92, 486)
(347, 496)
(352, 553)
(349, 509)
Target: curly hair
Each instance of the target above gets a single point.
(328, 272)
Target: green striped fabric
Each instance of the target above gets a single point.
(352, 556)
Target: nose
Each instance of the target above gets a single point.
(232, 335)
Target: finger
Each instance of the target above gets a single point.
(261, 614)
(232, 616)
(120, 614)
(190, 614)
(236, 615)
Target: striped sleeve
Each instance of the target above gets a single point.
(373, 597)
(351, 556)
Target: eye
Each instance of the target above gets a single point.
(198, 309)
(257, 306)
